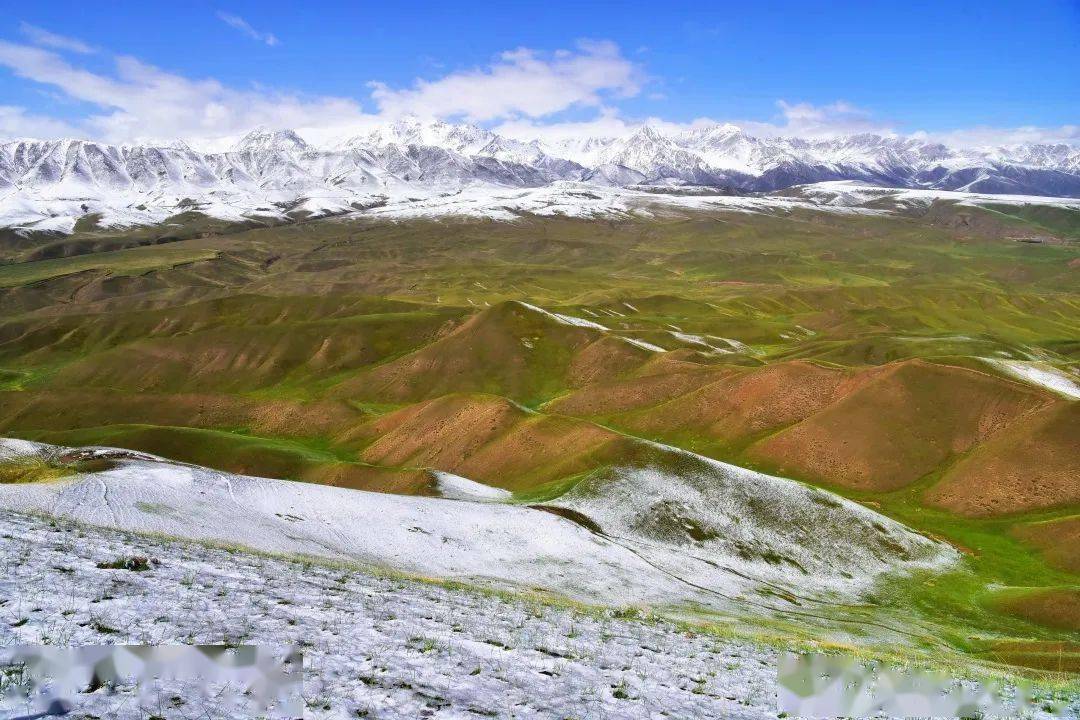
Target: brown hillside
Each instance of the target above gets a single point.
(243, 358)
(360, 477)
(741, 405)
(1035, 465)
(1059, 656)
(508, 349)
(237, 454)
(630, 393)
(67, 409)
(489, 439)
(1057, 539)
(908, 420)
(606, 358)
(681, 360)
(1053, 607)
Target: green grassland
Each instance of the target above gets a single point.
(291, 350)
(131, 261)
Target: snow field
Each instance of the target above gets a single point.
(378, 647)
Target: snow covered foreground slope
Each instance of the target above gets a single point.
(460, 169)
(675, 530)
(373, 646)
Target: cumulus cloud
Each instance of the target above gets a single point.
(140, 101)
(239, 23)
(521, 82)
(41, 36)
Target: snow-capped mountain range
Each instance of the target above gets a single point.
(47, 184)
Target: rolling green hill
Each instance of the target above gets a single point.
(861, 353)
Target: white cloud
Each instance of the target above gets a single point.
(15, 122)
(140, 101)
(983, 136)
(41, 36)
(795, 120)
(239, 23)
(802, 120)
(522, 82)
(519, 94)
(811, 121)
(605, 125)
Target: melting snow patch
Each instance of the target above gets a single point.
(1041, 375)
(733, 344)
(11, 448)
(455, 487)
(565, 319)
(500, 544)
(702, 342)
(691, 339)
(644, 345)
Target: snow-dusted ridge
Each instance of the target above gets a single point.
(410, 168)
(674, 530)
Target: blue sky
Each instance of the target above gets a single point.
(978, 71)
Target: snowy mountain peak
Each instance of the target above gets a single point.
(262, 139)
(178, 145)
(717, 131)
(46, 179)
(647, 132)
(412, 130)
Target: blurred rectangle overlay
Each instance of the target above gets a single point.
(819, 685)
(38, 681)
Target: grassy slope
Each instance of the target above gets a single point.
(291, 351)
(120, 262)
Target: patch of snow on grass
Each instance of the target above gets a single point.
(565, 319)
(733, 344)
(1040, 375)
(455, 487)
(644, 345)
(690, 339)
